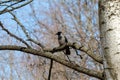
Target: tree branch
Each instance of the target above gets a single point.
(74, 66)
(25, 32)
(13, 8)
(12, 35)
(1, 2)
(95, 57)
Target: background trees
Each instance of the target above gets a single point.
(31, 29)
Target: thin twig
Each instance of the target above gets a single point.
(11, 5)
(25, 32)
(13, 8)
(12, 35)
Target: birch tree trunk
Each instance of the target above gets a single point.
(109, 17)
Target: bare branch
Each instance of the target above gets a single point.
(13, 8)
(1, 2)
(8, 6)
(21, 25)
(25, 32)
(12, 35)
(62, 61)
(95, 57)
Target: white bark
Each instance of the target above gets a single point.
(109, 15)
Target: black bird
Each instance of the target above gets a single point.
(62, 41)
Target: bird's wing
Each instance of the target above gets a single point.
(66, 39)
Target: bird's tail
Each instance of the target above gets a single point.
(67, 50)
